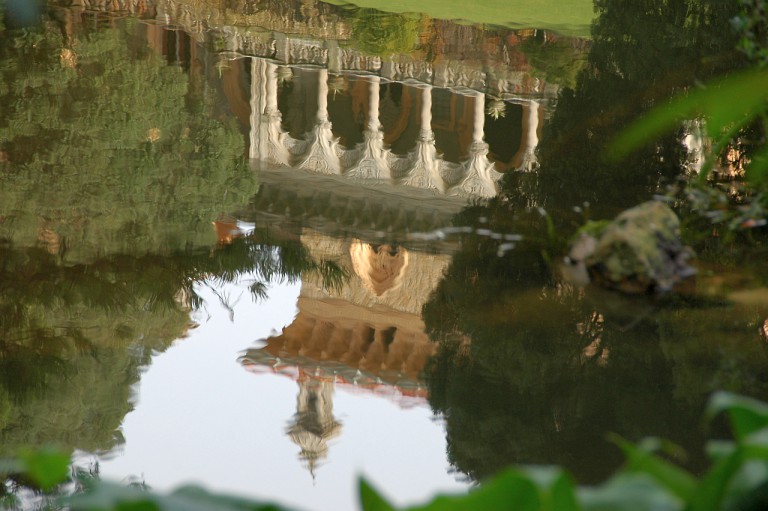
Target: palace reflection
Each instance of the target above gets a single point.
(365, 335)
(357, 155)
(354, 155)
(434, 117)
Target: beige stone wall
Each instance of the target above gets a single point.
(412, 276)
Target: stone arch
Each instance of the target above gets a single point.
(380, 267)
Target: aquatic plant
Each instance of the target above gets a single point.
(648, 480)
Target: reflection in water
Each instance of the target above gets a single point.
(530, 370)
(122, 134)
(625, 74)
(380, 267)
(314, 423)
(541, 373)
(366, 335)
(99, 250)
(353, 331)
(117, 155)
(109, 184)
(72, 343)
(318, 148)
(357, 144)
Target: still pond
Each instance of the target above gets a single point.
(272, 246)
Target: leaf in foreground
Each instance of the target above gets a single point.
(110, 496)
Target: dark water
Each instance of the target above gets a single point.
(370, 204)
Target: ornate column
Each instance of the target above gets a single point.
(479, 175)
(257, 149)
(322, 153)
(268, 141)
(372, 163)
(525, 158)
(335, 57)
(424, 168)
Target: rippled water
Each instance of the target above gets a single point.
(272, 247)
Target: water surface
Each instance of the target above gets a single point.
(269, 248)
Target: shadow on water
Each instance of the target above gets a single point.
(530, 369)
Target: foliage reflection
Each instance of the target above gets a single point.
(113, 165)
(531, 370)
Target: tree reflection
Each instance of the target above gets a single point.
(384, 34)
(529, 370)
(532, 370)
(642, 53)
(74, 338)
(106, 148)
(112, 168)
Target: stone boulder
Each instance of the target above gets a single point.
(639, 251)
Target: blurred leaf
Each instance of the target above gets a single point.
(728, 103)
(755, 445)
(511, 490)
(629, 492)
(746, 484)
(736, 476)
(750, 482)
(557, 489)
(747, 415)
(46, 468)
(371, 500)
(719, 449)
(641, 459)
(712, 488)
(110, 496)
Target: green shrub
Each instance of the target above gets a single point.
(736, 479)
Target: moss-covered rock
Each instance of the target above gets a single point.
(639, 251)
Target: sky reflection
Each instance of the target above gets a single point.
(200, 417)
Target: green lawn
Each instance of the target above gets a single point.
(567, 17)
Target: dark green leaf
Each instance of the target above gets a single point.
(747, 415)
(641, 459)
(629, 492)
(510, 490)
(46, 468)
(736, 99)
(719, 449)
(371, 500)
(712, 488)
(556, 488)
(751, 476)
